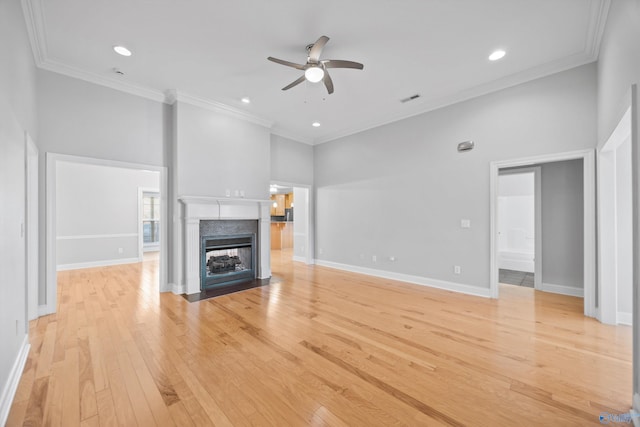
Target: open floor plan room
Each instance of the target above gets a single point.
(316, 347)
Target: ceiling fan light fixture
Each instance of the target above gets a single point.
(314, 74)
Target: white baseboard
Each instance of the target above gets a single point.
(44, 310)
(625, 318)
(562, 289)
(92, 264)
(417, 280)
(178, 289)
(300, 259)
(10, 388)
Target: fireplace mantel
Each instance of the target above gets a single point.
(197, 208)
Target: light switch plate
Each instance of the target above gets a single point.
(465, 223)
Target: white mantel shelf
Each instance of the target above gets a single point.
(197, 208)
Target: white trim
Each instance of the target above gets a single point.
(178, 289)
(102, 263)
(155, 246)
(597, 21)
(310, 229)
(297, 258)
(624, 318)
(96, 236)
(215, 106)
(290, 135)
(563, 289)
(51, 281)
(32, 235)
(11, 386)
(589, 231)
(416, 280)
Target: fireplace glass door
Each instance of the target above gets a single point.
(227, 259)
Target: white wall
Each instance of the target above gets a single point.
(102, 202)
(562, 224)
(516, 221)
(291, 161)
(401, 189)
(17, 115)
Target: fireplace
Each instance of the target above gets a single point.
(234, 224)
(226, 259)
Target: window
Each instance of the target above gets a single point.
(151, 219)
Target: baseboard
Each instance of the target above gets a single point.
(178, 289)
(301, 259)
(44, 310)
(518, 261)
(624, 318)
(10, 388)
(92, 264)
(417, 280)
(562, 289)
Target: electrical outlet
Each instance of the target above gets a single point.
(374, 258)
(457, 269)
(120, 250)
(465, 223)
(321, 251)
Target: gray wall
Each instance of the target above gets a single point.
(100, 201)
(17, 115)
(618, 64)
(562, 223)
(401, 189)
(291, 161)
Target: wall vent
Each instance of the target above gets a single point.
(411, 98)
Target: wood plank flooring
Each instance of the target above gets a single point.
(320, 347)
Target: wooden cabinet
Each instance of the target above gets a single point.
(279, 201)
(281, 235)
(288, 200)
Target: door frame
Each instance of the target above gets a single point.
(51, 281)
(309, 255)
(31, 229)
(589, 227)
(537, 195)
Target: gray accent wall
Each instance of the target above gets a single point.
(400, 190)
(17, 116)
(563, 223)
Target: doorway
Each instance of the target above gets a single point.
(519, 227)
(65, 236)
(587, 223)
(291, 221)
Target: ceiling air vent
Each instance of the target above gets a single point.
(411, 98)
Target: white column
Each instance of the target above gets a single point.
(192, 255)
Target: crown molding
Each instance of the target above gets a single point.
(597, 21)
(173, 96)
(292, 136)
(35, 29)
(142, 91)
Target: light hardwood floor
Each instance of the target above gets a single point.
(316, 347)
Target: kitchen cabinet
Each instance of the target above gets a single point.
(278, 209)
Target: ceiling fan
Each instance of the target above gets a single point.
(316, 69)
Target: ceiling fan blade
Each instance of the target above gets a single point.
(328, 82)
(316, 50)
(295, 83)
(287, 63)
(339, 63)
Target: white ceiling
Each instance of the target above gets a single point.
(213, 53)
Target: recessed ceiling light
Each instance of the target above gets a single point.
(315, 124)
(246, 100)
(121, 50)
(497, 54)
